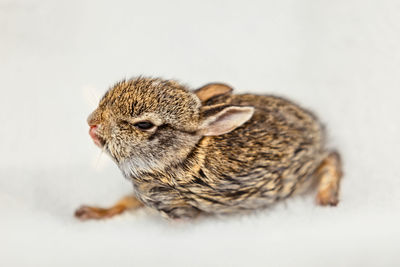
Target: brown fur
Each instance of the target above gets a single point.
(180, 172)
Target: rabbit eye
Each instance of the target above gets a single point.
(144, 125)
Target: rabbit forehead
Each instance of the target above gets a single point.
(168, 99)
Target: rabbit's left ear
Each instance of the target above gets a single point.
(221, 119)
(211, 90)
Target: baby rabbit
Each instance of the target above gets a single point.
(209, 151)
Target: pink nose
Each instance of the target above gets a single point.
(93, 134)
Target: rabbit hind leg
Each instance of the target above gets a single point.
(329, 174)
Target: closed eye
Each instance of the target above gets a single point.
(144, 125)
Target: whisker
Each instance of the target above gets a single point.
(91, 96)
(97, 165)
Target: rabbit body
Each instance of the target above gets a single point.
(182, 172)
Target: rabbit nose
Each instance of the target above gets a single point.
(93, 135)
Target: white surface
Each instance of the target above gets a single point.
(339, 58)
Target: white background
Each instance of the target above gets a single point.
(338, 58)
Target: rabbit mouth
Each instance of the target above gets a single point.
(99, 142)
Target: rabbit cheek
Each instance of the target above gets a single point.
(125, 143)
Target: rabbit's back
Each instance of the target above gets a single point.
(264, 160)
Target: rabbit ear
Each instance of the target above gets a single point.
(221, 119)
(211, 90)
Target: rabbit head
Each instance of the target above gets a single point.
(148, 124)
